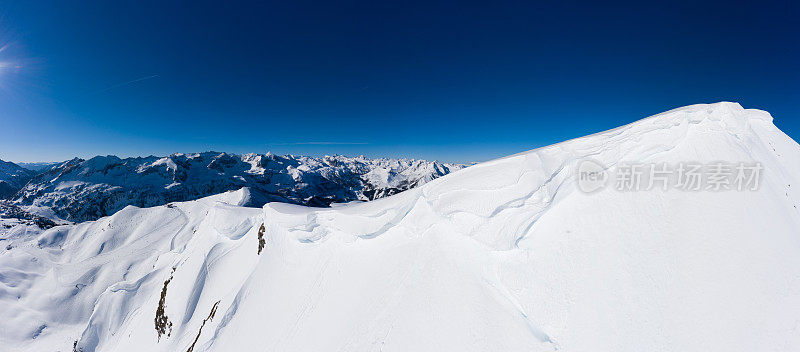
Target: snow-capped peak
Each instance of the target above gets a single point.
(507, 255)
(80, 190)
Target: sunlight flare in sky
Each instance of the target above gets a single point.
(7, 64)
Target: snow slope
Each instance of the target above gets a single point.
(506, 255)
(80, 190)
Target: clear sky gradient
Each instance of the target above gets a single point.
(454, 81)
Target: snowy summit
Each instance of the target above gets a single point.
(507, 255)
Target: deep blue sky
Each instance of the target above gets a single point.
(454, 81)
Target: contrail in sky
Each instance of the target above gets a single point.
(321, 143)
(123, 84)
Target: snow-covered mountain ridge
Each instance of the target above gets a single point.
(79, 190)
(507, 255)
(12, 178)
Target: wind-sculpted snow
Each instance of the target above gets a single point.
(80, 190)
(506, 255)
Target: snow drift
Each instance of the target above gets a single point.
(506, 255)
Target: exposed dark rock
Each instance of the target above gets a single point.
(163, 325)
(261, 241)
(209, 318)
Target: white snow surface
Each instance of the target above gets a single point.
(505, 255)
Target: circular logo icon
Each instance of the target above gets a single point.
(591, 176)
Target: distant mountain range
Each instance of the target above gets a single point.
(13, 178)
(80, 190)
(39, 167)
